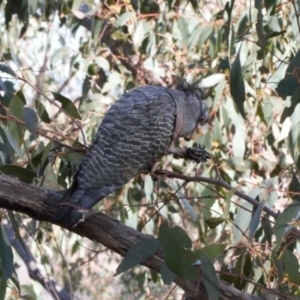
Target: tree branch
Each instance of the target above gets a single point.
(34, 272)
(41, 204)
(217, 182)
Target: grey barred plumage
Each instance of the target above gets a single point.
(138, 129)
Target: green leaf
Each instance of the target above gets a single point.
(293, 143)
(183, 26)
(3, 286)
(14, 224)
(148, 188)
(21, 96)
(290, 83)
(242, 221)
(30, 119)
(67, 105)
(16, 109)
(6, 69)
(75, 247)
(205, 34)
(166, 274)
(8, 138)
(28, 292)
(285, 222)
(58, 54)
(11, 47)
(184, 201)
(51, 180)
(155, 277)
(291, 266)
(274, 34)
(241, 164)
(124, 18)
(14, 278)
(228, 201)
(195, 34)
(6, 255)
(239, 139)
(278, 263)
(255, 221)
(139, 34)
(195, 4)
(212, 80)
(176, 246)
(267, 229)
(211, 251)
(25, 175)
(102, 63)
(294, 187)
(46, 151)
(271, 6)
(42, 112)
(288, 111)
(210, 278)
(237, 85)
(267, 108)
(96, 29)
(138, 253)
(214, 222)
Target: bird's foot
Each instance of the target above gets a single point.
(198, 153)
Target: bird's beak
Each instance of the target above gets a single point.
(200, 130)
(205, 115)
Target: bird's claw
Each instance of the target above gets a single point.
(198, 154)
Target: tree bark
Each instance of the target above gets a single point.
(41, 204)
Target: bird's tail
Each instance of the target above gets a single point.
(75, 200)
(69, 205)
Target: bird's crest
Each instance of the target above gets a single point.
(190, 88)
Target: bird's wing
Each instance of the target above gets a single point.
(133, 133)
(130, 137)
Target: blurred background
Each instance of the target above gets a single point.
(81, 56)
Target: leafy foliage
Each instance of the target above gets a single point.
(245, 56)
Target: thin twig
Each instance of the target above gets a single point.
(40, 132)
(50, 100)
(34, 272)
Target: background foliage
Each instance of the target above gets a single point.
(63, 63)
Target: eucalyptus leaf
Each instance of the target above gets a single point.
(125, 17)
(67, 105)
(176, 246)
(286, 221)
(237, 85)
(25, 175)
(290, 83)
(210, 277)
(255, 221)
(137, 254)
(30, 119)
(58, 54)
(6, 259)
(242, 221)
(214, 222)
(291, 266)
(42, 112)
(16, 109)
(166, 274)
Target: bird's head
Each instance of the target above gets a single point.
(193, 90)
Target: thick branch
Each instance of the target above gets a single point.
(41, 204)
